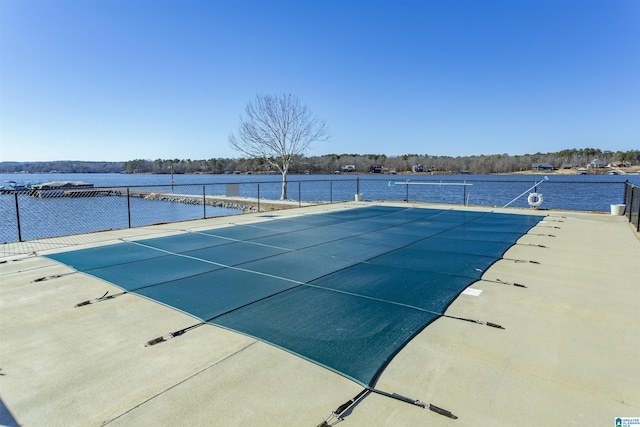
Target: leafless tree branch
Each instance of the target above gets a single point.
(278, 129)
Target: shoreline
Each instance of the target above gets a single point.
(244, 204)
(632, 170)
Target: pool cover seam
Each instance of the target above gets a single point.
(351, 236)
(296, 250)
(297, 282)
(300, 283)
(216, 263)
(249, 241)
(253, 225)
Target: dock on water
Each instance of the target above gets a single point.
(81, 189)
(76, 189)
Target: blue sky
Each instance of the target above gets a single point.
(125, 79)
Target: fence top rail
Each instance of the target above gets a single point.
(359, 178)
(289, 181)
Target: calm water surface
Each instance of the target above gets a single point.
(62, 216)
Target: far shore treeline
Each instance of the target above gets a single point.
(361, 163)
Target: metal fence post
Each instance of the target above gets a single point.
(129, 206)
(464, 193)
(406, 197)
(629, 205)
(18, 217)
(299, 195)
(635, 203)
(638, 213)
(628, 189)
(204, 202)
(258, 197)
(330, 191)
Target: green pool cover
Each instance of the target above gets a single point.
(346, 290)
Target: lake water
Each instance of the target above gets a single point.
(62, 216)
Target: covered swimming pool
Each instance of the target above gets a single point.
(344, 289)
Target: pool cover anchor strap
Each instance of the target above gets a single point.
(536, 245)
(402, 398)
(18, 259)
(336, 416)
(53, 276)
(42, 279)
(409, 400)
(479, 322)
(530, 261)
(506, 283)
(170, 335)
(99, 299)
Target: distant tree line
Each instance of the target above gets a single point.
(65, 166)
(329, 163)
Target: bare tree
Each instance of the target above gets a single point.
(278, 129)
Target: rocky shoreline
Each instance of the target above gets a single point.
(246, 205)
(211, 201)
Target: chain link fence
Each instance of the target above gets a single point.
(591, 196)
(37, 213)
(632, 204)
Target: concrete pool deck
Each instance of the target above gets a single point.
(568, 354)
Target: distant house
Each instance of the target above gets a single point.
(596, 163)
(619, 165)
(566, 166)
(542, 167)
(349, 168)
(375, 169)
(419, 168)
